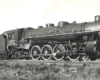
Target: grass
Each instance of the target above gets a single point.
(49, 72)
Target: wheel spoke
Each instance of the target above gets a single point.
(46, 51)
(57, 49)
(74, 56)
(35, 52)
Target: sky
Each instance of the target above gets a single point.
(32, 13)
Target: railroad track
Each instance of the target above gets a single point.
(29, 61)
(24, 62)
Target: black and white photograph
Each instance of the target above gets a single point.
(49, 39)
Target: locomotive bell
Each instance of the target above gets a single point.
(62, 23)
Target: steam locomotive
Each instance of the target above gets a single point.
(71, 41)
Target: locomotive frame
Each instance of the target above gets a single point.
(71, 41)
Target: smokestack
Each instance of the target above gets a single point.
(97, 18)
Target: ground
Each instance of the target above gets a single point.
(34, 70)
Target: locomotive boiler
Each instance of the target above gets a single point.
(71, 41)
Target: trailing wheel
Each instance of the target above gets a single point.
(57, 49)
(46, 52)
(74, 54)
(35, 52)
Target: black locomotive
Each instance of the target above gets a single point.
(71, 41)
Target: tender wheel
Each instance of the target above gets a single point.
(85, 57)
(35, 52)
(74, 56)
(57, 49)
(46, 52)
